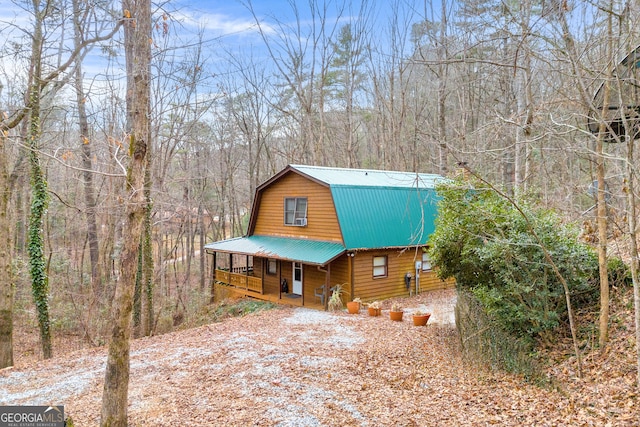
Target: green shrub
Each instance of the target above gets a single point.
(486, 345)
(486, 244)
(619, 273)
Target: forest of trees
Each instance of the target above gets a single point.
(503, 87)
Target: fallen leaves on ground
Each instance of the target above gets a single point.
(301, 367)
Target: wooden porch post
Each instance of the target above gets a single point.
(352, 289)
(325, 291)
(246, 271)
(328, 283)
(213, 279)
(279, 279)
(262, 271)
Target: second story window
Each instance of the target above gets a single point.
(295, 211)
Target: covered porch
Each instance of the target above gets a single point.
(281, 270)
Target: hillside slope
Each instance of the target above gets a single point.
(299, 367)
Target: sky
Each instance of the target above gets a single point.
(229, 20)
(230, 24)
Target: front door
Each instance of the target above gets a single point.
(297, 278)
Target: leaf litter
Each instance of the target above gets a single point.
(301, 367)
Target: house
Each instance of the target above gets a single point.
(314, 227)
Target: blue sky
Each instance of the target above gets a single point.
(228, 19)
(229, 25)
(232, 23)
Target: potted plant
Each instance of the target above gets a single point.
(420, 318)
(396, 312)
(353, 307)
(335, 300)
(374, 308)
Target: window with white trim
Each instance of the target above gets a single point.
(295, 211)
(426, 262)
(380, 266)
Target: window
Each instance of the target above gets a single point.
(272, 266)
(426, 262)
(380, 266)
(295, 211)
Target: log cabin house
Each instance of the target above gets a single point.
(314, 227)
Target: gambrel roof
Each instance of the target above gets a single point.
(374, 208)
(380, 209)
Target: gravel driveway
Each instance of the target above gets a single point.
(296, 367)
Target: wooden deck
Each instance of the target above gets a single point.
(283, 299)
(243, 281)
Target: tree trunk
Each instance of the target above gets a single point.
(633, 247)
(602, 240)
(631, 187)
(147, 254)
(601, 208)
(6, 276)
(443, 157)
(524, 100)
(137, 297)
(39, 202)
(601, 201)
(86, 155)
(138, 53)
(201, 236)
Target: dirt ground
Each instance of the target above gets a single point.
(301, 367)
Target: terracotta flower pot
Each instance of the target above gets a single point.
(374, 311)
(396, 315)
(353, 307)
(421, 319)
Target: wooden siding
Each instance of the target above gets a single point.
(270, 282)
(322, 221)
(340, 276)
(429, 281)
(312, 278)
(365, 286)
(393, 285)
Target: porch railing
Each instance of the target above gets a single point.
(240, 281)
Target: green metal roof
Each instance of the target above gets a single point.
(299, 250)
(375, 209)
(380, 209)
(384, 217)
(369, 177)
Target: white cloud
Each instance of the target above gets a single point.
(222, 25)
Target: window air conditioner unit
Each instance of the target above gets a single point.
(301, 221)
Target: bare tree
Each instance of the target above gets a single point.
(6, 275)
(301, 54)
(54, 78)
(86, 152)
(138, 55)
(390, 90)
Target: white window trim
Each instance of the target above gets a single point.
(298, 220)
(384, 265)
(426, 262)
